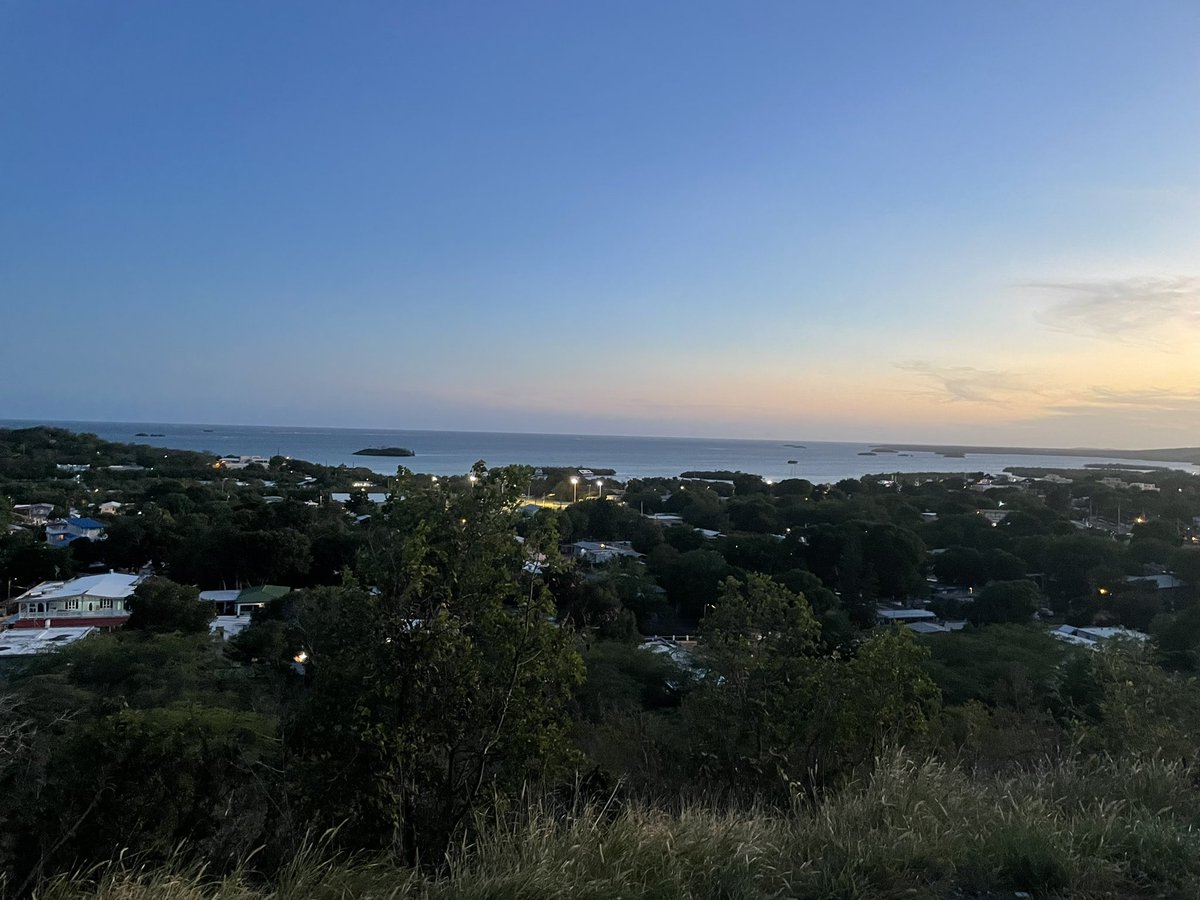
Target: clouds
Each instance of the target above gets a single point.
(1135, 373)
(1146, 309)
(1142, 404)
(970, 384)
(1138, 417)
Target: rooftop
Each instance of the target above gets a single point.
(111, 586)
(27, 641)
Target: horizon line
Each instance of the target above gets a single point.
(909, 445)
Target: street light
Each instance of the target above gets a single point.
(600, 489)
(574, 488)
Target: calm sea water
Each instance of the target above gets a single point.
(454, 452)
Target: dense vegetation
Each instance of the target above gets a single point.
(443, 710)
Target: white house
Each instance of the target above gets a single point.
(30, 641)
(241, 462)
(110, 508)
(235, 608)
(597, 552)
(1163, 581)
(666, 519)
(1091, 637)
(92, 600)
(33, 513)
(905, 616)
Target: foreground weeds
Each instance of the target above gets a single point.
(1099, 828)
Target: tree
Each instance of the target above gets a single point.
(446, 685)
(595, 605)
(1002, 665)
(161, 605)
(774, 710)
(762, 680)
(754, 513)
(692, 580)
(837, 631)
(1005, 601)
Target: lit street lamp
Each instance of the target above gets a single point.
(600, 488)
(574, 488)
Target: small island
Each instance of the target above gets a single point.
(384, 451)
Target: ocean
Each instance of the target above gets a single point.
(454, 452)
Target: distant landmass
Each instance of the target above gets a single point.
(1168, 454)
(384, 451)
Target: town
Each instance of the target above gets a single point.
(229, 651)
(1091, 554)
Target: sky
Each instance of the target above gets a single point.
(927, 221)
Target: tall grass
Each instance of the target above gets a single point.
(1097, 828)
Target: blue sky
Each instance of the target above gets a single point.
(923, 221)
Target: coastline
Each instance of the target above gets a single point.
(1167, 454)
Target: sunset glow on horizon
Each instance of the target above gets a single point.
(947, 223)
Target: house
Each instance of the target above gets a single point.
(1053, 478)
(665, 519)
(240, 462)
(33, 513)
(376, 497)
(935, 627)
(1000, 482)
(235, 608)
(994, 516)
(904, 616)
(73, 468)
(678, 651)
(93, 600)
(1163, 581)
(31, 641)
(599, 552)
(1092, 637)
(110, 508)
(244, 601)
(61, 532)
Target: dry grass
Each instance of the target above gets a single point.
(1090, 830)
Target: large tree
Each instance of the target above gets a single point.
(443, 684)
(776, 710)
(159, 604)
